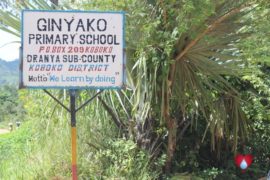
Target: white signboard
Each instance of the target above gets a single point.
(72, 49)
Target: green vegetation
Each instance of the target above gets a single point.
(197, 93)
(15, 148)
(11, 108)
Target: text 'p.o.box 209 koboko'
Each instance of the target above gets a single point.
(72, 49)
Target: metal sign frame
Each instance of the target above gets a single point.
(73, 110)
(73, 89)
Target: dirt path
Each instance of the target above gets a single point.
(4, 131)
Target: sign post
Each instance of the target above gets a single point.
(73, 132)
(72, 50)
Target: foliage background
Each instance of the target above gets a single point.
(197, 94)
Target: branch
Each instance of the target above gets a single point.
(210, 28)
(92, 145)
(117, 121)
(182, 132)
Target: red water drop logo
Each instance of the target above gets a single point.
(243, 161)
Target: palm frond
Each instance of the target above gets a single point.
(201, 75)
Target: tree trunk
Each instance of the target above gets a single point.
(172, 132)
(171, 124)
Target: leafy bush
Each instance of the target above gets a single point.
(211, 173)
(120, 159)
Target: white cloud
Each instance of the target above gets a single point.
(8, 51)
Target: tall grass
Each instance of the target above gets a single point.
(41, 147)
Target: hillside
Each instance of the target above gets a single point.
(9, 72)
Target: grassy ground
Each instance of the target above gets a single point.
(13, 148)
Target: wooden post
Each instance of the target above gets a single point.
(73, 134)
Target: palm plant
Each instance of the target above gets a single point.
(184, 67)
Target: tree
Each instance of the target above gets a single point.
(183, 62)
(11, 109)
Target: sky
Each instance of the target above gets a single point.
(8, 52)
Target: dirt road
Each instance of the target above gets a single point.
(3, 131)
